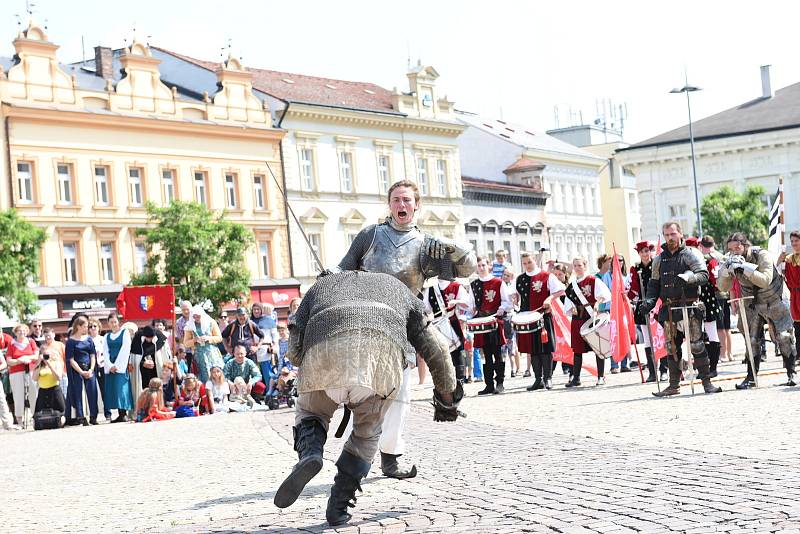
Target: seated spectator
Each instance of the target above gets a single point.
(243, 331)
(241, 366)
(150, 404)
(170, 383)
(48, 372)
(240, 399)
(217, 391)
(189, 398)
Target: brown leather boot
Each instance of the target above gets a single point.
(674, 387)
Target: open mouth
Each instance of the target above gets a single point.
(402, 214)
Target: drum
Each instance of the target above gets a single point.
(481, 325)
(597, 333)
(527, 322)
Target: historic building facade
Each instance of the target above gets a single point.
(345, 144)
(619, 198)
(91, 144)
(754, 143)
(559, 182)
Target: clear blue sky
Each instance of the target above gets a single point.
(523, 58)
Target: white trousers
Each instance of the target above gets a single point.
(392, 441)
(18, 392)
(5, 415)
(710, 328)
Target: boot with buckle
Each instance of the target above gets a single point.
(343, 492)
(309, 440)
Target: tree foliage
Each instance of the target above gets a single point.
(726, 211)
(201, 252)
(20, 243)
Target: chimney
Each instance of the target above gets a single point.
(103, 62)
(766, 86)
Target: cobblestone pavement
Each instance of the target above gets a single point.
(607, 459)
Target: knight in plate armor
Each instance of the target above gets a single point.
(397, 247)
(758, 277)
(349, 340)
(678, 273)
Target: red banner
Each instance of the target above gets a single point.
(621, 314)
(658, 340)
(563, 353)
(147, 302)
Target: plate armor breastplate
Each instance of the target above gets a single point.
(398, 254)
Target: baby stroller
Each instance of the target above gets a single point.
(282, 389)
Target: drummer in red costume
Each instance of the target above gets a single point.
(490, 299)
(450, 295)
(584, 294)
(536, 289)
(790, 264)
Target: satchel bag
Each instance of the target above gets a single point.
(47, 419)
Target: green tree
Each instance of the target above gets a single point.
(725, 211)
(20, 243)
(201, 252)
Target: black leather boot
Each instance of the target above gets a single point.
(488, 379)
(460, 364)
(713, 357)
(391, 468)
(651, 365)
(499, 372)
(343, 492)
(704, 374)
(674, 387)
(575, 378)
(309, 440)
(749, 381)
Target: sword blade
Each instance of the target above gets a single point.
(688, 346)
(747, 341)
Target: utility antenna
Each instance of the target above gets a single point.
(147, 41)
(408, 55)
(29, 8)
(83, 52)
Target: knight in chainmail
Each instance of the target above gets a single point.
(678, 273)
(397, 247)
(755, 270)
(349, 340)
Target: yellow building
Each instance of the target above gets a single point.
(86, 146)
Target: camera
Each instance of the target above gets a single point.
(46, 356)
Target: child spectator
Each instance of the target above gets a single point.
(150, 404)
(217, 391)
(170, 384)
(188, 401)
(240, 399)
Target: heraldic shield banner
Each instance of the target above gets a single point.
(147, 302)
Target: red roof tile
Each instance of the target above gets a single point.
(311, 89)
(524, 164)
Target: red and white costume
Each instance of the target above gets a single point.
(592, 289)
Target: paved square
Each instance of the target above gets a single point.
(608, 460)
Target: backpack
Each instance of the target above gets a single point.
(47, 419)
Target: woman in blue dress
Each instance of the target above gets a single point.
(201, 335)
(80, 360)
(117, 348)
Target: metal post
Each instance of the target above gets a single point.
(694, 168)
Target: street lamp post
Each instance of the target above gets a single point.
(690, 89)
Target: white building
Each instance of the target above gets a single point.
(753, 143)
(515, 157)
(347, 142)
